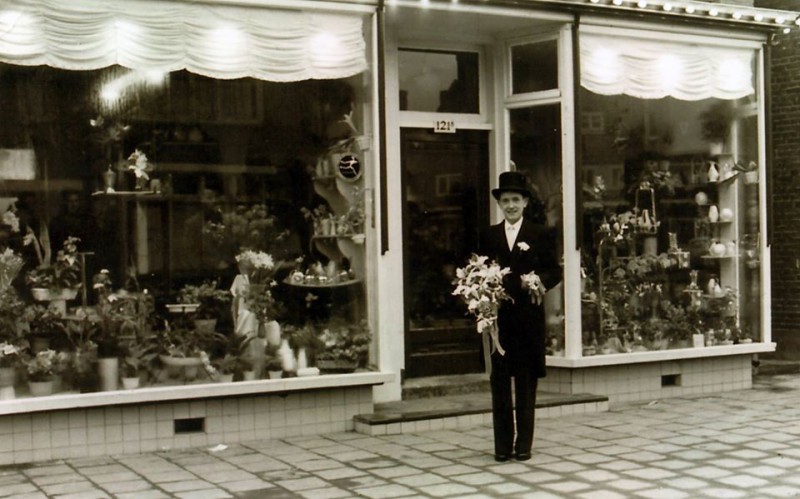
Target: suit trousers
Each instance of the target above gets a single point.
(505, 409)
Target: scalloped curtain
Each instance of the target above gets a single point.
(222, 42)
(652, 70)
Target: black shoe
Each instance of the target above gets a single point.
(522, 457)
(501, 458)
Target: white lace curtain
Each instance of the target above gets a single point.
(217, 41)
(652, 70)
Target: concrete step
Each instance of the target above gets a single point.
(437, 404)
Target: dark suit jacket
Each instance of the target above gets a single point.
(521, 323)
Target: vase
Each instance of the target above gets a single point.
(275, 374)
(109, 180)
(650, 246)
(108, 372)
(41, 388)
(713, 173)
(302, 359)
(287, 356)
(130, 382)
(273, 333)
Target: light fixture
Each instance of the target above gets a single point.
(642, 4)
(779, 20)
(616, 2)
(736, 15)
(689, 9)
(758, 17)
(594, 1)
(667, 7)
(713, 12)
(787, 30)
(797, 21)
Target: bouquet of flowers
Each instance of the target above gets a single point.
(480, 286)
(63, 273)
(259, 297)
(139, 165)
(533, 283)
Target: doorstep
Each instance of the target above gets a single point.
(458, 410)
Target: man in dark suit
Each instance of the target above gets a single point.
(523, 246)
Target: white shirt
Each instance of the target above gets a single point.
(512, 230)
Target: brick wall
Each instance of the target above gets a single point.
(785, 187)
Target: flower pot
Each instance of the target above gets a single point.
(302, 358)
(57, 298)
(108, 371)
(248, 375)
(177, 366)
(336, 366)
(41, 388)
(7, 393)
(205, 325)
(275, 374)
(225, 377)
(130, 383)
(8, 376)
(751, 177)
(698, 340)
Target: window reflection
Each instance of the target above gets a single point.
(437, 81)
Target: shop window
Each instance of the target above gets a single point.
(536, 151)
(131, 202)
(534, 67)
(670, 207)
(439, 81)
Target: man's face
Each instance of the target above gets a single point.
(512, 204)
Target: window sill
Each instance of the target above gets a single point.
(189, 392)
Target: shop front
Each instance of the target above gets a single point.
(642, 128)
(234, 220)
(188, 227)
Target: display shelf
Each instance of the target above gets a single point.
(334, 284)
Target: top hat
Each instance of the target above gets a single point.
(512, 181)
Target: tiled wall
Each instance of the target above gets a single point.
(127, 429)
(634, 382)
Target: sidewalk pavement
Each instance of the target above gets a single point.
(737, 444)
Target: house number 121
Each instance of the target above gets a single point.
(444, 126)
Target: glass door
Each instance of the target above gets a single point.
(445, 202)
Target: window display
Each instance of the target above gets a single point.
(208, 229)
(670, 225)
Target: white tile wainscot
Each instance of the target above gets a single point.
(629, 377)
(146, 419)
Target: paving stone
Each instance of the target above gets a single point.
(447, 489)
(662, 493)
(324, 493)
(384, 491)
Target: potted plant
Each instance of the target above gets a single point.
(750, 171)
(233, 360)
(135, 359)
(58, 281)
(716, 122)
(272, 362)
(212, 303)
(183, 350)
(42, 367)
(345, 347)
(45, 326)
(10, 358)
